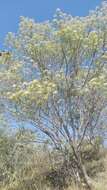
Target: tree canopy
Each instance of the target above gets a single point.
(55, 77)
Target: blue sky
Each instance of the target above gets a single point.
(40, 10)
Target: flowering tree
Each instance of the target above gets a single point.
(56, 78)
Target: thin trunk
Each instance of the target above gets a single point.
(81, 169)
(84, 177)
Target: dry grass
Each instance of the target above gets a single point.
(31, 176)
(101, 180)
(100, 183)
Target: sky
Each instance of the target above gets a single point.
(40, 10)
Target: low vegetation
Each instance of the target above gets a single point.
(26, 166)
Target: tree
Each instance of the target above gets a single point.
(61, 86)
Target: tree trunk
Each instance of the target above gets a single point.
(84, 177)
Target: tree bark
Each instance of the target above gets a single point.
(84, 177)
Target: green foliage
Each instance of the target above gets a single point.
(55, 78)
(64, 44)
